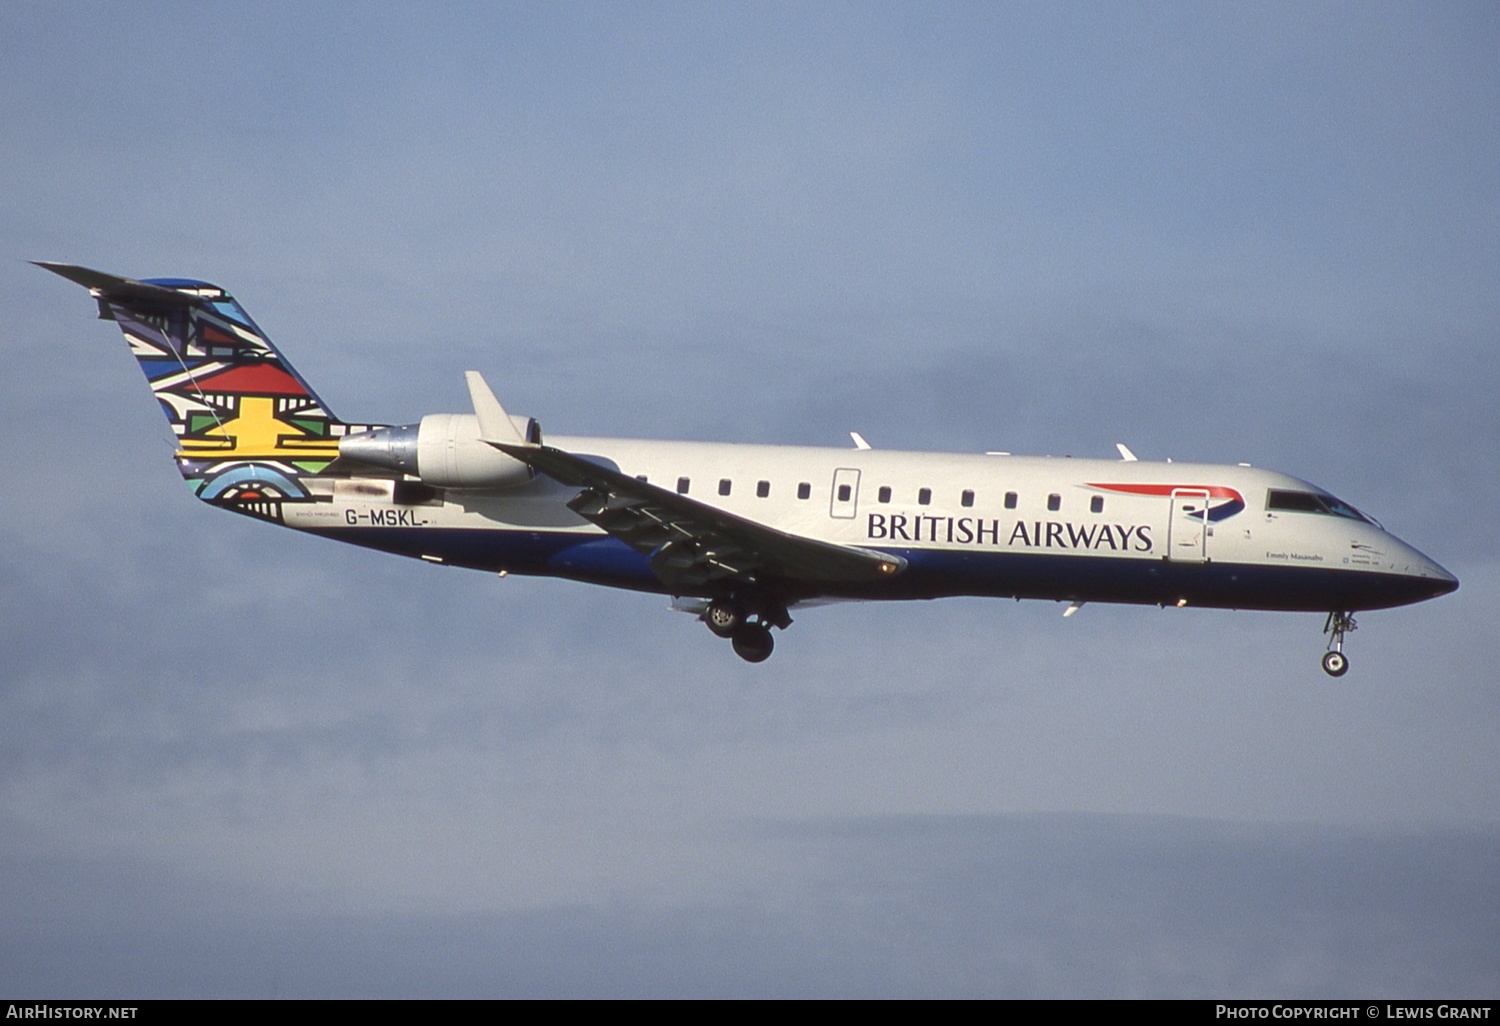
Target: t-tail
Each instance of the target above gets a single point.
(249, 429)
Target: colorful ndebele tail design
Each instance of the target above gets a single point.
(249, 429)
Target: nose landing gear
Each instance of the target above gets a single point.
(1335, 663)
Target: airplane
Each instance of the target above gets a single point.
(739, 535)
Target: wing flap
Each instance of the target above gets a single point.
(692, 545)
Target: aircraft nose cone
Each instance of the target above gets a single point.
(1445, 583)
(1434, 579)
(1420, 575)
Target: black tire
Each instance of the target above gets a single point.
(722, 618)
(753, 642)
(1335, 664)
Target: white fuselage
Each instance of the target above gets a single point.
(742, 533)
(1059, 528)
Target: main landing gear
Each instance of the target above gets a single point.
(752, 640)
(1335, 663)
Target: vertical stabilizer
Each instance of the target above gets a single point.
(249, 429)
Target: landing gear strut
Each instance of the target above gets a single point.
(1335, 663)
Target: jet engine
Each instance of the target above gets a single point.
(444, 451)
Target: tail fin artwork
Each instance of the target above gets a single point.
(249, 429)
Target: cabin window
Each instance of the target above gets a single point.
(1096, 504)
(924, 496)
(1054, 502)
(967, 498)
(1010, 500)
(762, 489)
(884, 495)
(723, 486)
(844, 493)
(804, 490)
(682, 486)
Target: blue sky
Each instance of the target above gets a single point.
(1214, 232)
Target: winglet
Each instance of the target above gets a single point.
(1125, 453)
(859, 440)
(495, 424)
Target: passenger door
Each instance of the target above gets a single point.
(1187, 530)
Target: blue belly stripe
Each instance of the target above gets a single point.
(934, 573)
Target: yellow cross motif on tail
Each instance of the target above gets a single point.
(256, 432)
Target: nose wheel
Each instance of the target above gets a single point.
(1335, 663)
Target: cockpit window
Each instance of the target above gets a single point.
(1340, 508)
(1301, 502)
(1312, 502)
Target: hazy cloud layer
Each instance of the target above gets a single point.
(912, 906)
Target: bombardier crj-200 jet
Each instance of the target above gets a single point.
(739, 535)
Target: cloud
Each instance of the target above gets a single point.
(908, 906)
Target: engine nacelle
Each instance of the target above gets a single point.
(444, 451)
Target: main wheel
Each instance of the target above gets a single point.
(753, 642)
(1335, 664)
(722, 618)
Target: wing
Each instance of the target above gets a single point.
(693, 546)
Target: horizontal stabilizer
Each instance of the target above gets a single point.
(111, 286)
